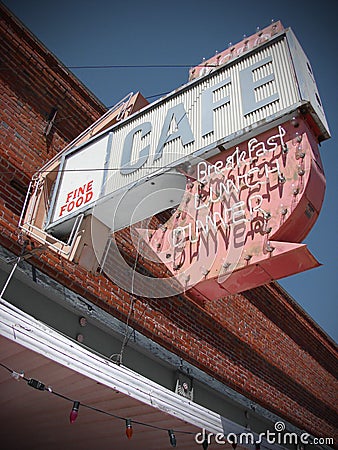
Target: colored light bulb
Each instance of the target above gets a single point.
(129, 429)
(74, 412)
(172, 438)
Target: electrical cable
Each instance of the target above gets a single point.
(122, 66)
(17, 261)
(114, 168)
(42, 387)
(125, 338)
(127, 335)
(149, 97)
(91, 169)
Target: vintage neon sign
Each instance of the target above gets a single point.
(243, 214)
(245, 94)
(246, 208)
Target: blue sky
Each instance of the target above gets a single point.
(148, 32)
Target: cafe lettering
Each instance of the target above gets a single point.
(183, 130)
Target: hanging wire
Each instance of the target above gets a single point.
(128, 334)
(120, 66)
(10, 276)
(110, 169)
(91, 169)
(119, 356)
(17, 262)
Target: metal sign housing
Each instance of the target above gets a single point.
(228, 105)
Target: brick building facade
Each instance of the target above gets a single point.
(259, 344)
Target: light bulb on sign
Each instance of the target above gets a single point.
(300, 154)
(294, 122)
(297, 139)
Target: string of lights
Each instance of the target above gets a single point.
(76, 404)
(74, 412)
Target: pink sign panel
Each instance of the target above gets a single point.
(244, 213)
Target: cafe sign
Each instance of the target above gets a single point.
(266, 82)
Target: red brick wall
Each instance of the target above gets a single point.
(260, 343)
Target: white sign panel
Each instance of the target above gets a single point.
(81, 179)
